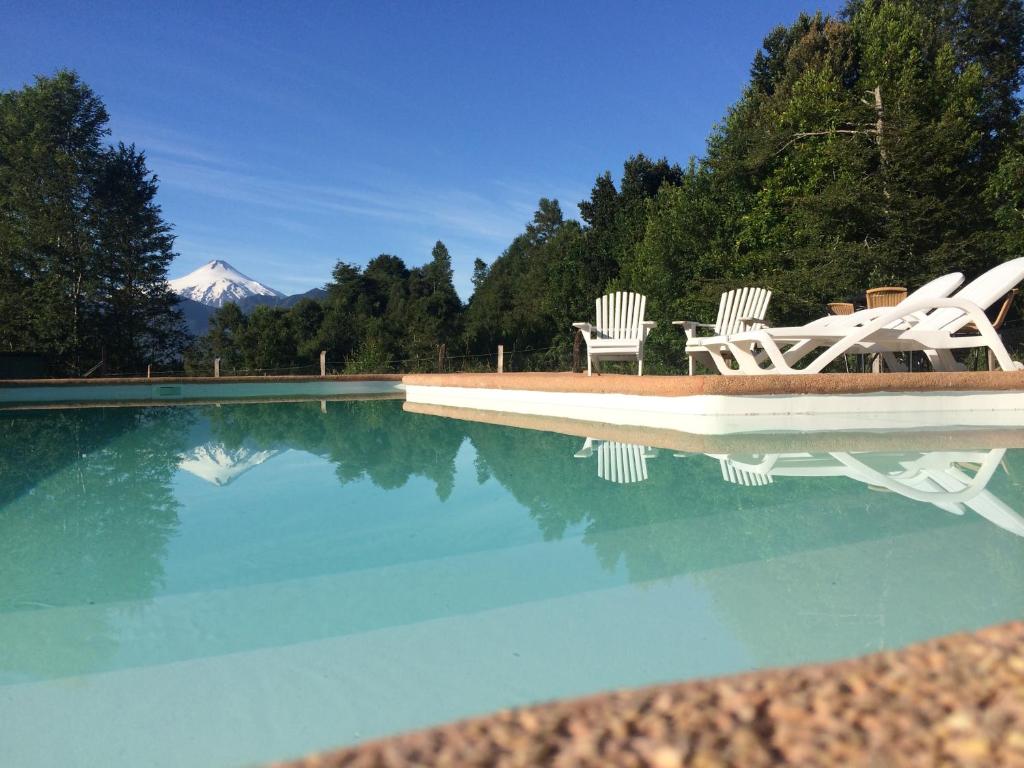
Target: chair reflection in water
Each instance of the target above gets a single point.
(953, 481)
(618, 462)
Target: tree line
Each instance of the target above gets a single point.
(879, 146)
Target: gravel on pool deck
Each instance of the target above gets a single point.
(953, 701)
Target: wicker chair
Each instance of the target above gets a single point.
(888, 296)
(997, 324)
(840, 308)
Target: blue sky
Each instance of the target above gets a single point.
(288, 136)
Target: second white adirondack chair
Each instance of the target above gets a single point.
(743, 309)
(618, 462)
(732, 473)
(620, 331)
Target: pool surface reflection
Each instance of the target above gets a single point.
(223, 585)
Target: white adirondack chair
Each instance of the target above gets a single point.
(618, 462)
(738, 475)
(743, 309)
(620, 330)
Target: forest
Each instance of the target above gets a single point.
(881, 146)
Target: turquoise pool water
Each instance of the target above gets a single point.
(222, 586)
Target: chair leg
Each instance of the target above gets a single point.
(588, 365)
(991, 359)
(892, 364)
(639, 366)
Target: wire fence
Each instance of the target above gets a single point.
(557, 357)
(551, 358)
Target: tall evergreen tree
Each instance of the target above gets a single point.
(83, 247)
(135, 313)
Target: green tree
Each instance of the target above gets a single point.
(134, 309)
(226, 337)
(83, 247)
(434, 310)
(51, 137)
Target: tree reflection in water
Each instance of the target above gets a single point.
(86, 511)
(370, 439)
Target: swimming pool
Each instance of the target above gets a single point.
(226, 585)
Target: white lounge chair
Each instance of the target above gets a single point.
(743, 309)
(935, 477)
(933, 325)
(619, 332)
(796, 343)
(618, 462)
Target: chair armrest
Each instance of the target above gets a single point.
(585, 327)
(748, 322)
(690, 327)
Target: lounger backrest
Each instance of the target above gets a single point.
(984, 291)
(938, 288)
(742, 304)
(620, 315)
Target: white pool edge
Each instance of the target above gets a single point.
(726, 414)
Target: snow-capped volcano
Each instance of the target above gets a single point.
(217, 283)
(219, 465)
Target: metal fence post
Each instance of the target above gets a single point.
(501, 358)
(323, 362)
(216, 367)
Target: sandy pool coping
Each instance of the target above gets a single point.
(953, 701)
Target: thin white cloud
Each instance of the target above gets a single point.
(496, 218)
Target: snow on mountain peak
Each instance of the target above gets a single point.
(217, 464)
(217, 283)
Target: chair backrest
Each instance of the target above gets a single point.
(939, 288)
(1004, 310)
(840, 308)
(889, 296)
(743, 309)
(620, 315)
(622, 462)
(984, 291)
(741, 476)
